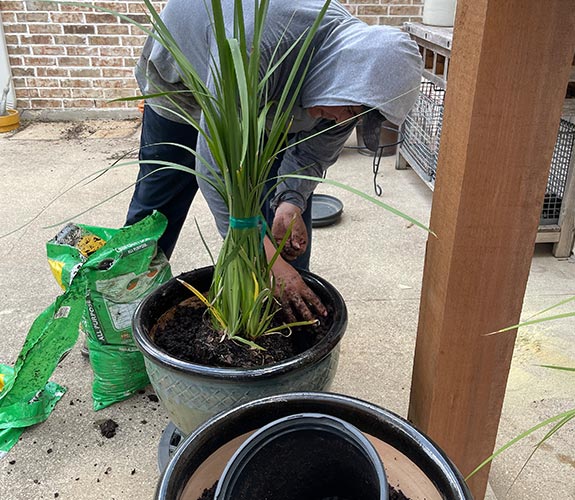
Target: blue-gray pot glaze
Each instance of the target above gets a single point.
(192, 393)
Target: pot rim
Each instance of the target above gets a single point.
(381, 423)
(310, 357)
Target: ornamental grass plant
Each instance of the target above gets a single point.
(244, 137)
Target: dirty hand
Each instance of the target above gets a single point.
(287, 214)
(298, 301)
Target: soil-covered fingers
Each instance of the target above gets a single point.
(288, 219)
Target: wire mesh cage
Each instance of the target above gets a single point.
(421, 131)
(421, 134)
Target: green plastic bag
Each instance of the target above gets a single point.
(32, 409)
(26, 396)
(113, 270)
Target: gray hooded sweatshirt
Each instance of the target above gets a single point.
(352, 64)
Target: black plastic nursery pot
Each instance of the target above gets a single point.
(412, 462)
(191, 393)
(306, 456)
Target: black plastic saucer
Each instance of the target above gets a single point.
(325, 210)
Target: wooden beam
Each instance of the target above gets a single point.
(509, 69)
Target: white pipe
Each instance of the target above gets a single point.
(5, 73)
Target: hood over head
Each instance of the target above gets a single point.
(376, 66)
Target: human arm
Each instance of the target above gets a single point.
(311, 158)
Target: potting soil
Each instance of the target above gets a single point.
(209, 494)
(105, 273)
(115, 269)
(186, 333)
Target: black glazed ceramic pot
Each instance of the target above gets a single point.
(413, 463)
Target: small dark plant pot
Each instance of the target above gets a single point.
(308, 456)
(191, 393)
(413, 463)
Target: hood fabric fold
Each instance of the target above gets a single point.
(377, 66)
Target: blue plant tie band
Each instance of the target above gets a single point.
(250, 223)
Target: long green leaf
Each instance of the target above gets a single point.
(365, 196)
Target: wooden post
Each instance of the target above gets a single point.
(508, 74)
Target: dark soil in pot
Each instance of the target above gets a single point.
(185, 331)
(393, 494)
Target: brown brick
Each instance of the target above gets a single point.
(85, 72)
(101, 18)
(136, 31)
(9, 17)
(11, 39)
(79, 103)
(27, 92)
(118, 93)
(113, 83)
(112, 29)
(43, 82)
(53, 72)
(15, 28)
(108, 104)
(70, 7)
(16, 71)
(45, 28)
(394, 21)
(117, 72)
(47, 50)
(74, 61)
(31, 17)
(86, 93)
(82, 50)
(138, 18)
(104, 40)
(134, 41)
(116, 51)
(404, 10)
(70, 39)
(36, 39)
(106, 61)
(137, 7)
(46, 104)
(115, 6)
(54, 93)
(67, 17)
(16, 60)
(78, 29)
(11, 5)
(372, 10)
(39, 61)
(19, 50)
(85, 83)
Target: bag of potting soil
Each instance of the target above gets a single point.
(16, 415)
(115, 269)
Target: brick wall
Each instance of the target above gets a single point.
(68, 60)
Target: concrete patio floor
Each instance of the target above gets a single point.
(374, 259)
